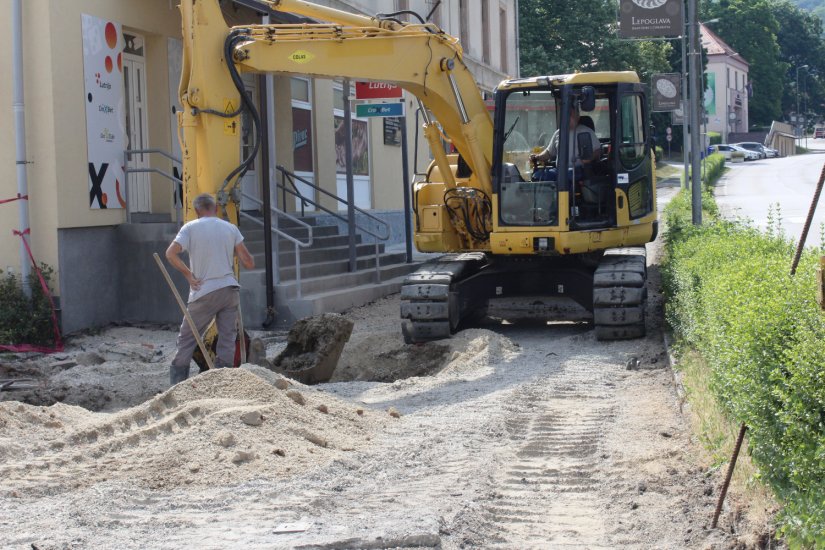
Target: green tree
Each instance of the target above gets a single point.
(750, 27)
(559, 37)
(801, 43)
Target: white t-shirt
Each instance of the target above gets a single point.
(573, 143)
(211, 244)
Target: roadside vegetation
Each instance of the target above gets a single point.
(752, 335)
(25, 320)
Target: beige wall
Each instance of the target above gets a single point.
(55, 113)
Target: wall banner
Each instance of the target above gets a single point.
(105, 115)
(650, 18)
(710, 94)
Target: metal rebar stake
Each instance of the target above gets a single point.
(729, 475)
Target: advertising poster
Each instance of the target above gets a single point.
(650, 18)
(667, 91)
(105, 116)
(710, 94)
(360, 147)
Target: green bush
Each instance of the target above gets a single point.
(715, 138)
(660, 153)
(730, 296)
(25, 320)
(714, 168)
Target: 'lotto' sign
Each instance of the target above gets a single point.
(376, 90)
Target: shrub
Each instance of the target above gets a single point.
(730, 296)
(25, 320)
(715, 138)
(660, 153)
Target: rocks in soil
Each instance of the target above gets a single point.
(225, 439)
(323, 408)
(282, 384)
(296, 396)
(314, 345)
(243, 456)
(88, 358)
(252, 418)
(393, 412)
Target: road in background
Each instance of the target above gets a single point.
(750, 189)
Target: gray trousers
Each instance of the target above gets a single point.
(221, 305)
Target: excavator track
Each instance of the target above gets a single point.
(620, 294)
(431, 308)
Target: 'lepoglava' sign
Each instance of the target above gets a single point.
(650, 18)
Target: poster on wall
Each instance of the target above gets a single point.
(105, 116)
(360, 147)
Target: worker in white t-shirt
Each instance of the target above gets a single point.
(214, 292)
(552, 150)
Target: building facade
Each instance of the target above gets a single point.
(728, 87)
(102, 75)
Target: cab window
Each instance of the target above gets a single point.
(632, 137)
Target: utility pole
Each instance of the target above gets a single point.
(695, 111)
(685, 110)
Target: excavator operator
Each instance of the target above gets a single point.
(577, 129)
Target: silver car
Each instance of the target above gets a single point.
(726, 150)
(766, 152)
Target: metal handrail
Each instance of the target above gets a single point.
(126, 171)
(292, 176)
(287, 175)
(298, 244)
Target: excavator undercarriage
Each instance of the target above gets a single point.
(455, 288)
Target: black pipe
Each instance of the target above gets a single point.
(405, 167)
(267, 200)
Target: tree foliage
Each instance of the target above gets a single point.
(750, 27)
(559, 37)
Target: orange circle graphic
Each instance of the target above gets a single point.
(109, 66)
(104, 199)
(120, 62)
(111, 35)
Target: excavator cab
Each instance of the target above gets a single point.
(588, 186)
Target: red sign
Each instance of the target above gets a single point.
(376, 90)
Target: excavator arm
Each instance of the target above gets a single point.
(419, 58)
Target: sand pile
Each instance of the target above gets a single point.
(384, 357)
(221, 427)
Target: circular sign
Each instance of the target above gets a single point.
(666, 88)
(669, 137)
(669, 130)
(650, 4)
(731, 116)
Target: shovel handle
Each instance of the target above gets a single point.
(185, 311)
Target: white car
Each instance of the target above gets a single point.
(767, 152)
(728, 150)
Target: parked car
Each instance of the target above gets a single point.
(765, 152)
(728, 151)
(819, 132)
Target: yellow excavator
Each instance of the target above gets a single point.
(506, 225)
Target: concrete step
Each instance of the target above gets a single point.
(257, 276)
(257, 246)
(337, 301)
(289, 290)
(256, 232)
(316, 255)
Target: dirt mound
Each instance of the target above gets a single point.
(384, 357)
(221, 427)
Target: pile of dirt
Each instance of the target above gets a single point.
(224, 426)
(384, 357)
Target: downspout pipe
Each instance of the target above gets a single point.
(18, 106)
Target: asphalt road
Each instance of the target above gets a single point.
(750, 189)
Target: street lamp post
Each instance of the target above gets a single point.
(798, 125)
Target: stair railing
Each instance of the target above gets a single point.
(297, 243)
(174, 180)
(290, 178)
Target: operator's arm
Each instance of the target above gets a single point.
(173, 256)
(549, 152)
(244, 256)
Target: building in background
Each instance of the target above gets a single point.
(101, 77)
(728, 87)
